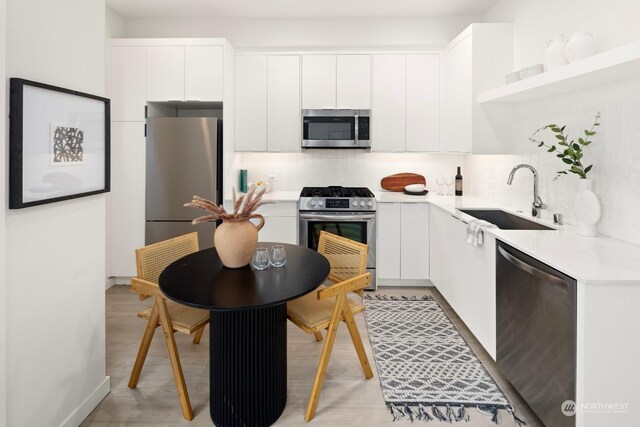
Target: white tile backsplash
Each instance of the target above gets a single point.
(615, 154)
(343, 167)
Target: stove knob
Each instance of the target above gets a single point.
(354, 203)
(362, 203)
(320, 203)
(369, 203)
(312, 203)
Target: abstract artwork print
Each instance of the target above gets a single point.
(66, 145)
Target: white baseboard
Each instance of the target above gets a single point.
(121, 280)
(83, 411)
(109, 282)
(408, 283)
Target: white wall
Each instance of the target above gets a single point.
(341, 167)
(290, 33)
(55, 310)
(3, 201)
(615, 151)
(114, 25)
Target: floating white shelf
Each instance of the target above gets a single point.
(615, 64)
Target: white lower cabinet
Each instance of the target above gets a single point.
(279, 229)
(465, 275)
(280, 222)
(403, 243)
(388, 242)
(126, 200)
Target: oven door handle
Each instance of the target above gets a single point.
(344, 218)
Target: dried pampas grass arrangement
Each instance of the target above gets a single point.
(243, 206)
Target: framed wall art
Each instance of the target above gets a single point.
(59, 144)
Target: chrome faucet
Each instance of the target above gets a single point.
(537, 204)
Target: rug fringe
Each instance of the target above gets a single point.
(437, 413)
(492, 410)
(449, 413)
(520, 422)
(423, 414)
(397, 414)
(462, 414)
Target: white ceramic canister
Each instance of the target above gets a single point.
(554, 53)
(586, 208)
(580, 45)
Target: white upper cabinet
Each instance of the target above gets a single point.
(388, 103)
(127, 83)
(268, 112)
(283, 103)
(318, 81)
(185, 73)
(203, 73)
(406, 103)
(475, 61)
(353, 82)
(336, 81)
(423, 103)
(165, 73)
(251, 103)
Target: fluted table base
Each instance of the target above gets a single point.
(248, 366)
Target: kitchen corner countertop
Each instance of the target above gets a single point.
(590, 260)
(277, 196)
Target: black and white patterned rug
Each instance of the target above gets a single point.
(426, 369)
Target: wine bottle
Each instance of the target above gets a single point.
(458, 183)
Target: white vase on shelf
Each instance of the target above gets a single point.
(586, 208)
(554, 53)
(580, 45)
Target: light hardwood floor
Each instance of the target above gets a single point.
(347, 398)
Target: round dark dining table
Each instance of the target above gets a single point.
(247, 326)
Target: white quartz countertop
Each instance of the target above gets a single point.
(278, 196)
(590, 260)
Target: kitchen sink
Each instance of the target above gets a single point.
(504, 220)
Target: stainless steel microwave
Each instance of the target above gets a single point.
(336, 128)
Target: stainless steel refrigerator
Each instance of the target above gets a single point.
(184, 158)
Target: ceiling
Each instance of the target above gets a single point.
(295, 8)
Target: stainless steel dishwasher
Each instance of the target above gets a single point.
(536, 332)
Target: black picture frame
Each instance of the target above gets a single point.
(59, 144)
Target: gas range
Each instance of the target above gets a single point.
(345, 211)
(337, 199)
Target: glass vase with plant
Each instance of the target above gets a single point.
(570, 152)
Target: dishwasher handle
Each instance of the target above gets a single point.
(531, 269)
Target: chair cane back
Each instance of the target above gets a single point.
(325, 308)
(151, 260)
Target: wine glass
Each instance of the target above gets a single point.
(278, 256)
(450, 182)
(260, 260)
(440, 182)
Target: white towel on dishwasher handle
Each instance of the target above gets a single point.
(475, 236)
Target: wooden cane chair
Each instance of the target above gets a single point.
(326, 307)
(173, 317)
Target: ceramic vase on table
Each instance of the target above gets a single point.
(236, 240)
(580, 45)
(586, 207)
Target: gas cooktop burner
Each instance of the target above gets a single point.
(337, 199)
(336, 191)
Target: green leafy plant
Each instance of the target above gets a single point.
(570, 152)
